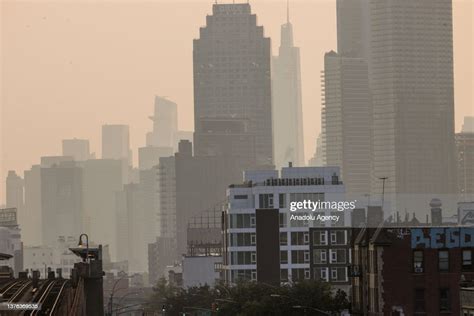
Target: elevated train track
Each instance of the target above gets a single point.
(47, 294)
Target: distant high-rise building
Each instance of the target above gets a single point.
(465, 157)
(468, 126)
(167, 198)
(233, 117)
(133, 227)
(346, 120)
(15, 197)
(353, 28)
(102, 178)
(50, 161)
(232, 87)
(76, 148)
(14, 190)
(287, 105)
(137, 208)
(149, 156)
(115, 142)
(318, 159)
(32, 226)
(165, 124)
(411, 79)
(61, 201)
(201, 183)
(116, 145)
(183, 135)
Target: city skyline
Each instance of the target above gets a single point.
(226, 217)
(24, 139)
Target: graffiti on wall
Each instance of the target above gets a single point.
(446, 237)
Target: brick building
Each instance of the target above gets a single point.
(411, 271)
(330, 255)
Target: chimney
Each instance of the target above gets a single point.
(436, 212)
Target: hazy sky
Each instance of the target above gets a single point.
(67, 67)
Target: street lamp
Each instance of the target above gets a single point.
(81, 245)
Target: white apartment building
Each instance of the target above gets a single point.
(262, 190)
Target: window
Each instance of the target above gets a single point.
(338, 237)
(443, 260)
(307, 274)
(297, 274)
(282, 200)
(418, 261)
(306, 238)
(297, 256)
(266, 200)
(283, 239)
(253, 239)
(467, 259)
(419, 300)
(241, 239)
(321, 273)
(320, 238)
(298, 238)
(339, 274)
(253, 275)
(283, 257)
(444, 300)
(253, 221)
(300, 197)
(240, 197)
(319, 256)
(284, 275)
(242, 220)
(306, 257)
(282, 219)
(253, 257)
(337, 255)
(242, 257)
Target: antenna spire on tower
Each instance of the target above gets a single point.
(287, 11)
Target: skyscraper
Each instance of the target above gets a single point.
(116, 145)
(76, 148)
(165, 124)
(162, 140)
(411, 79)
(287, 106)
(14, 190)
(346, 119)
(61, 201)
(232, 113)
(115, 142)
(232, 87)
(353, 28)
(32, 227)
(465, 159)
(102, 178)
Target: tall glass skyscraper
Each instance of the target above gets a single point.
(287, 105)
(232, 87)
(411, 78)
